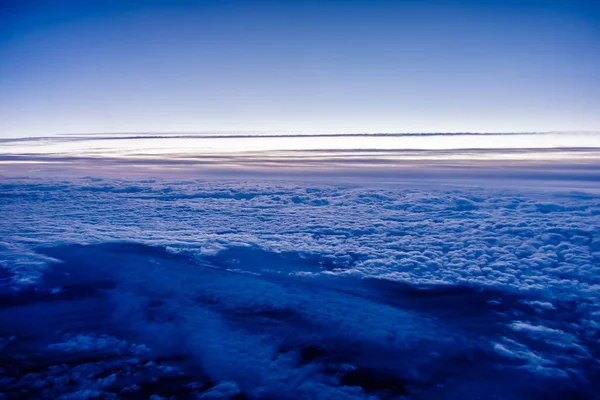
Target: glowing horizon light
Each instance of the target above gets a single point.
(126, 145)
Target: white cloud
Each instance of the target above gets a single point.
(540, 244)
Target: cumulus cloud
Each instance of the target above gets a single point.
(298, 262)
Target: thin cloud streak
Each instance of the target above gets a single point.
(197, 135)
(538, 158)
(581, 170)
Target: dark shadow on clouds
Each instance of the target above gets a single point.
(273, 325)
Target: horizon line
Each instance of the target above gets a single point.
(259, 134)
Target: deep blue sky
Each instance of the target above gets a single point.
(311, 66)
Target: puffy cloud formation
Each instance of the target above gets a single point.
(277, 288)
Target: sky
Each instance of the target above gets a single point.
(298, 66)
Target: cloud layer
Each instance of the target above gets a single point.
(308, 275)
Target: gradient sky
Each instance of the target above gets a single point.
(298, 66)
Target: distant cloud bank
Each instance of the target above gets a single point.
(540, 157)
